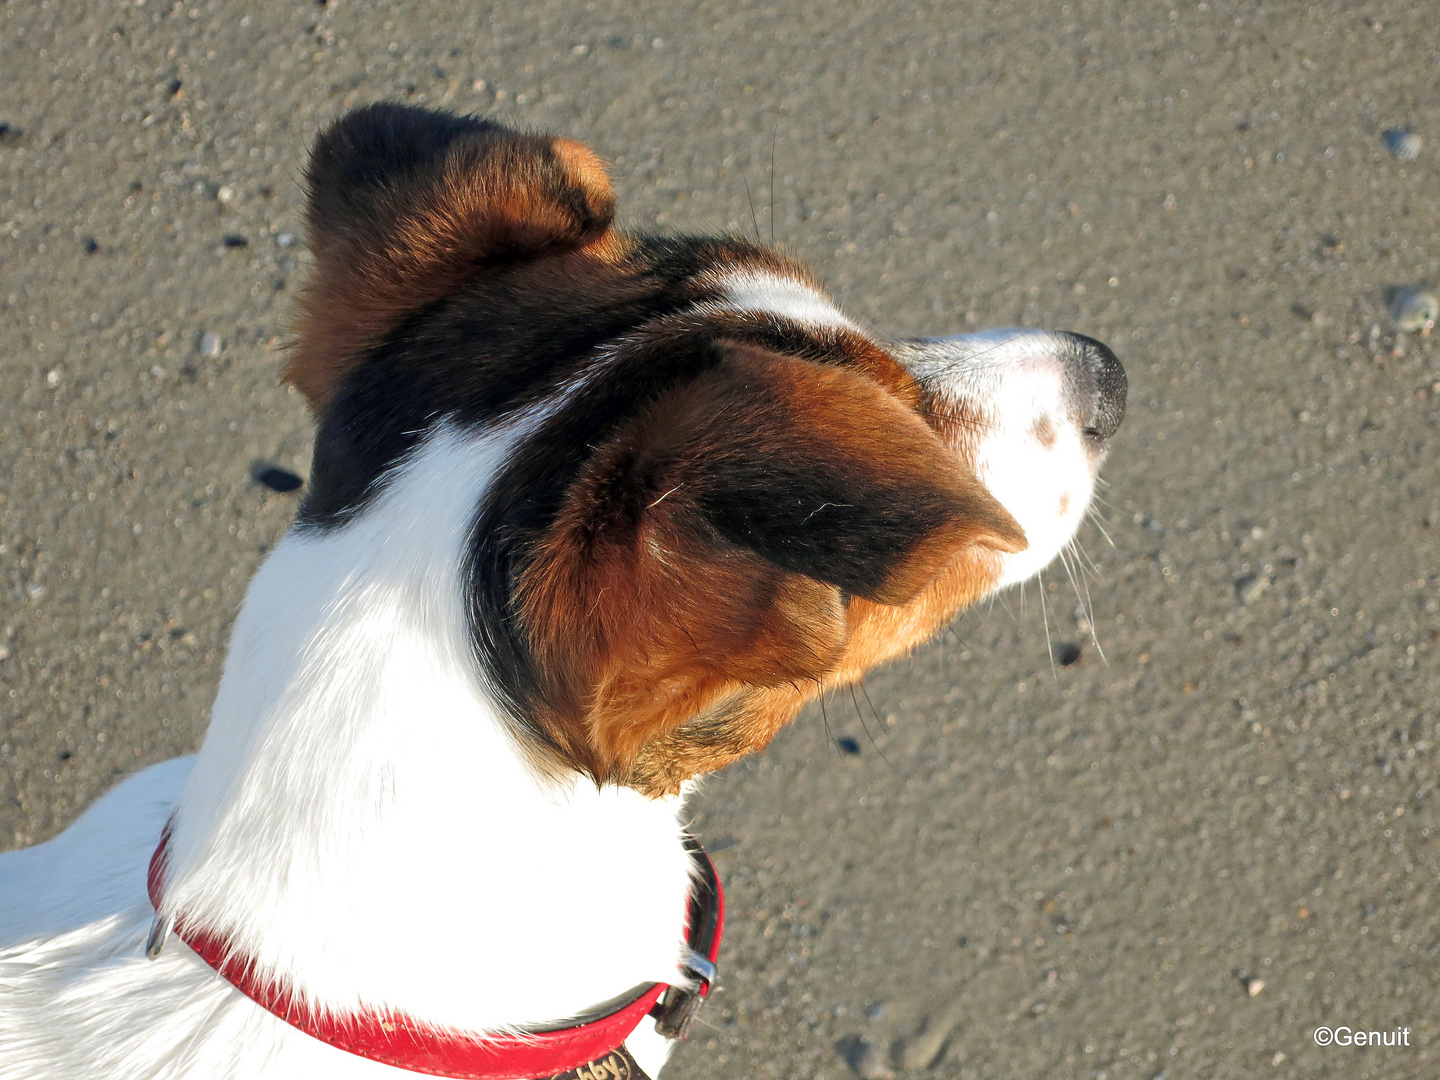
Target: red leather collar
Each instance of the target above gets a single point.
(399, 1040)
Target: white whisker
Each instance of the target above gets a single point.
(1045, 619)
(1099, 524)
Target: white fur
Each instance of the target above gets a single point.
(1015, 383)
(772, 294)
(358, 821)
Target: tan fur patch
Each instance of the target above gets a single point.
(496, 195)
(1044, 432)
(752, 716)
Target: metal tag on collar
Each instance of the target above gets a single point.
(674, 1012)
(160, 928)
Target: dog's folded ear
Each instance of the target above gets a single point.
(407, 205)
(714, 544)
(820, 472)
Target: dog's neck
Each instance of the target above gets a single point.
(360, 821)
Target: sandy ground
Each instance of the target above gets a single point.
(1028, 869)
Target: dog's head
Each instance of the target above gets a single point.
(719, 496)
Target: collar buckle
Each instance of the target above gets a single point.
(706, 921)
(674, 1012)
(160, 928)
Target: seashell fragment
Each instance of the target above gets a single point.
(1413, 309)
(1405, 145)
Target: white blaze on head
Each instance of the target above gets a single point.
(1020, 425)
(786, 297)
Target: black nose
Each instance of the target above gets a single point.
(1100, 385)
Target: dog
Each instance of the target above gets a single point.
(590, 515)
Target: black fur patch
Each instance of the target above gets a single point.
(476, 359)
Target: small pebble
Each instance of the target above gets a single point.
(1277, 1057)
(1251, 587)
(10, 134)
(870, 1064)
(875, 1010)
(211, 343)
(276, 478)
(1405, 145)
(285, 239)
(1068, 654)
(848, 745)
(1254, 986)
(234, 240)
(1413, 308)
(4, 652)
(52, 378)
(226, 194)
(91, 246)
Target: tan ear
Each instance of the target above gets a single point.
(713, 546)
(407, 205)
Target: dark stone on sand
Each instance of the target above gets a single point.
(276, 478)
